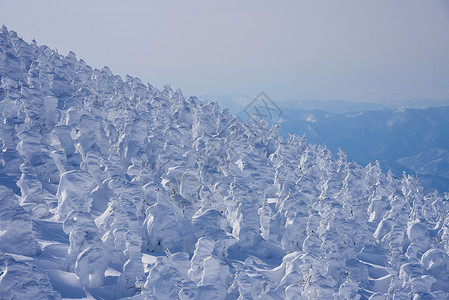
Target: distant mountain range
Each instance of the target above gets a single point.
(236, 103)
(412, 140)
(410, 136)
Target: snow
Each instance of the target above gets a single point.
(16, 225)
(110, 189)
(22, 280)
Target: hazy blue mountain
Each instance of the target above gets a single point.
(411, 140)
(236, 103)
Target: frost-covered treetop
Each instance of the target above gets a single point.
(224, 209)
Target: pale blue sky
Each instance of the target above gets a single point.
(296, 49)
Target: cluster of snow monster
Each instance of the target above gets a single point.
(227, 209)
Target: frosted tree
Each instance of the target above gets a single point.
(22, 280)
(165, 225)
(86, 255)
(73, 193)
(16, 226)
(132, 278)
(208, 272)
(120, 228)
(168, 277)
(38, 167)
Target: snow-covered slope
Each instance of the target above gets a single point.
(111, 188)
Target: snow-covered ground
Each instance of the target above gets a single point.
(110, 188)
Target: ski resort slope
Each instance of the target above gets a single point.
(110, 188)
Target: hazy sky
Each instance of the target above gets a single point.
(345, 49)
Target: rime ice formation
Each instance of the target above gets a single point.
(111, 188)
(22, 280)
(16, 227)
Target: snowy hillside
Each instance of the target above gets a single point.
(111, 188)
